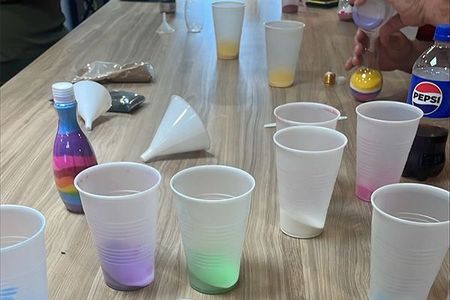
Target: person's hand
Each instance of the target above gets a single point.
(394, 52)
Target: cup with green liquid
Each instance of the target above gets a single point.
(213, 204)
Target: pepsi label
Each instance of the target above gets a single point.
(431, 96)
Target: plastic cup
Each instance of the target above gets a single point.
(23, 266)
(410, 237)
(213, 204)
(289, 6)
(385, 132)
(283, 42)
(228, 18)
(306, 113)
(120, 201)
(308, 160)
(194, 15)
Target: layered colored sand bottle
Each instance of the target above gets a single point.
(72, 151)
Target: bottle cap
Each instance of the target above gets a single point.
(442, 33)
(371, 14)
(63, 92)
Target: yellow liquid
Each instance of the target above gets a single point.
(227, 50)
(281, 78)
(366, 79)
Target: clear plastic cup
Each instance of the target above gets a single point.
(385, 132)
(213, 204)
(308, 160)
(306, 113)
(194, 15)
(228, 19)
(23, 266)
(283, 42)
(120, 201)
(410, 238)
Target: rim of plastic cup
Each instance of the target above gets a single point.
(306, 104)
(270, 25)
(308, 128)
(218, 4)
(31, 210)
(394, 103)
(223, 167)
(115, 164)
(395, 185)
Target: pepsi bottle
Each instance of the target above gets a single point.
(430, 81)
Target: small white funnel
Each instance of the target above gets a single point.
(93, 100)
(181, 130)
(164, 27)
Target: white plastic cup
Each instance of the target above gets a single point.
(228, 18)
(120, 201)
(410, 238)
(306, 113)
(283, 43)
(23, 264)
(213, 204)
(308, 160)
(385, 132)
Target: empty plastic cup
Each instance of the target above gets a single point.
(306, 113)
(308, 160)
(283, 42)
(385, 132)
(23, 266)
(120, 201)
(213, 204)
(228, 18)
(410, 238)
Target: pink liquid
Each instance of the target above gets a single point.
(363, 193)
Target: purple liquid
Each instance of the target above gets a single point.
(126, 277)
(290, 8)
(364, 22)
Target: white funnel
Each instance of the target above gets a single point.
(180, 130)
(164, 27)
(93, 100)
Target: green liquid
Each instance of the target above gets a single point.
(212, 274)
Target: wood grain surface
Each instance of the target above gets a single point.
(234, 100)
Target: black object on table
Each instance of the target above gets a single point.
(427, 155)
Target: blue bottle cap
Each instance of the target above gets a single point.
(372, 14)
(442, 33)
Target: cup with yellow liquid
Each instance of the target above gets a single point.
(228, 18)
(283, 42)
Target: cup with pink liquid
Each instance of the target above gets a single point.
(385, 132)
(120, 201)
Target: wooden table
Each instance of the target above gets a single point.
(235, 101)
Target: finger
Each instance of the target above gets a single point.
(356, 60)
(361, 38)
(393, 25)
(348, 64)
(358, 49)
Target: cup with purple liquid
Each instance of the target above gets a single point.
(120, 201)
